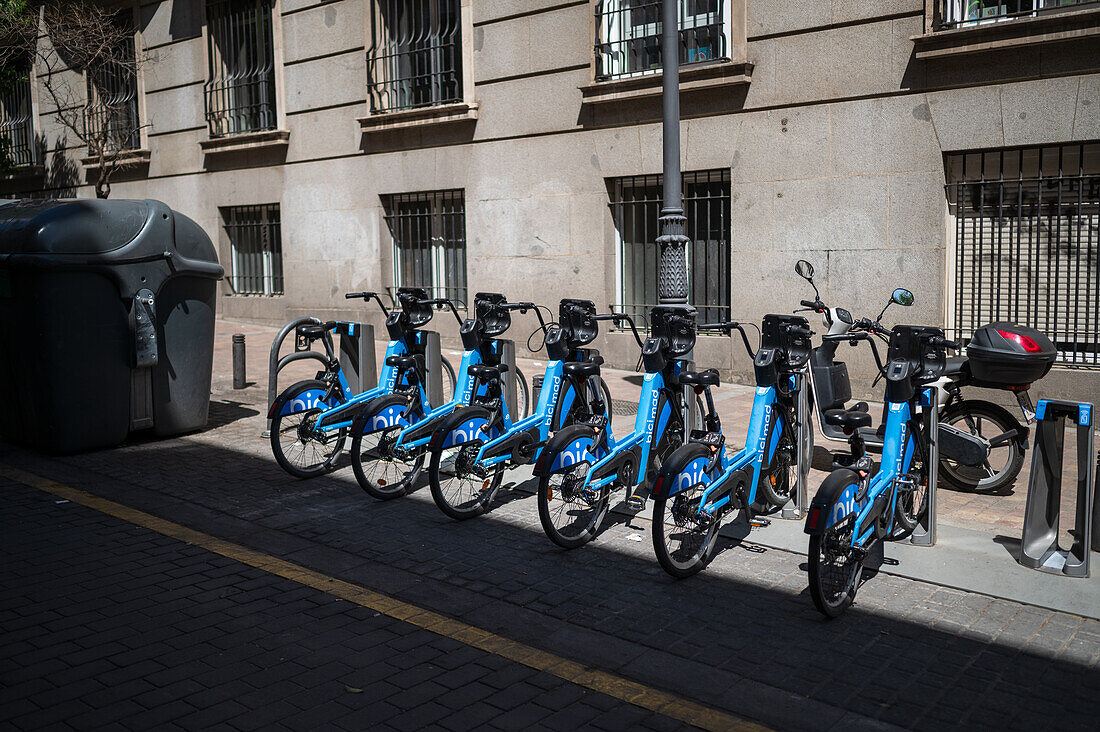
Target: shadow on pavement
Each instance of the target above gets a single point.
(743, 635)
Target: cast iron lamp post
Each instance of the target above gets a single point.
(672, 286)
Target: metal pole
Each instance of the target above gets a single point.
(672, 288)
(239, 378)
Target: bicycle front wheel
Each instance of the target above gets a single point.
(683, 539)
(569, 513)
(376, 469)
(834, 570)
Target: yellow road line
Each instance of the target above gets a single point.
(632, 692)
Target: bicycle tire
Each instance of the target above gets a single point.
(832, 586)
(444, 496)
(448, 373)
(376, 485)
(964, 477)
(676, 513)
(587, 511)
(323, 452)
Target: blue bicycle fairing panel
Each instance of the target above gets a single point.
(692, 475)
(469, 431)
(308, 399)
(845, 506)
(578, 451)
(391, 416)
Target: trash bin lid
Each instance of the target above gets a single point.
(70, 226)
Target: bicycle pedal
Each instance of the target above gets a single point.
(760, 523)
(635, 503)
(890, 561)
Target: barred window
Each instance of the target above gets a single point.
(628, 35)
(415, 58)
(17, 123)
(429, 241)
(256, 249)
(1027, 243)
(636, 207)
(956, 13)
(240, 91)
(111, 114)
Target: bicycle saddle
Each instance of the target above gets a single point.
(700, 378)
(402, 362)
(312, 332)
(850, 419)
(582, 369)
(486, 372)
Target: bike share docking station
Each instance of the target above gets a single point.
(799, 502)
(1039, 547)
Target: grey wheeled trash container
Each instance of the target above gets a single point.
(106, 322)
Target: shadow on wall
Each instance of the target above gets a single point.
(415, 138)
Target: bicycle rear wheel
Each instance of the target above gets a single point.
(298, 448)
(376, 469)
(457, 491)
(569, 514)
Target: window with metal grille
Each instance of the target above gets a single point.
(429, 241)
(636, 206)
(628, 35)
(1027, 243)
(240, 91)
(17, 123)
(111, 114)
(415, 58)
(957, 13)
(256, 249)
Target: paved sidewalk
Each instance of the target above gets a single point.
(94, 609)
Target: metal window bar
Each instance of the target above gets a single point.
(256, 248)
(111, 114)
(415, 58)
(962, 13)
(636, 207)
(17, 144)
(429, 241)
(628, 35)
(240, 92)
(1027, 228)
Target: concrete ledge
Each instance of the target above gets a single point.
(692, 78)
(1007, 34)
(125, 159)
(438, 115)
(265, 140)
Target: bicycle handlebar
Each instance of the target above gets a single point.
(617, 318)
(728, 329)
(523, 307)
(440, 302)
(367, 296)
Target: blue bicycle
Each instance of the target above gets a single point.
(473, 447)
(310, 419)
(857, 507)
(583, 464)
(700, 484)
(391, 433)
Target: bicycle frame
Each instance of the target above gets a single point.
(768, 418)
(540, 422)
(901, 444)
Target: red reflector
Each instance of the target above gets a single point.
(1028, 344)
(815, 516)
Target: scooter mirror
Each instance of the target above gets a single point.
(902, 297)
(804, 269)
(845, 316)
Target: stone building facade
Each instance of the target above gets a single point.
(945, 146)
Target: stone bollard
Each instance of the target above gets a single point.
(239, 378)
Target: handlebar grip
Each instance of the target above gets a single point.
(943, 342)
(808, 304)
(355, 295)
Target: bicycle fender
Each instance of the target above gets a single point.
(568, 446)
(466, 424)
(290, 401)
(835, 501)
(686, 467)
(382, 413)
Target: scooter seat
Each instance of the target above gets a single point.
(955, 364)
(580, 370)
(700, 378)
(486, 372)
(849, 419)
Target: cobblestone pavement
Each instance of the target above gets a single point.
(101, 615)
